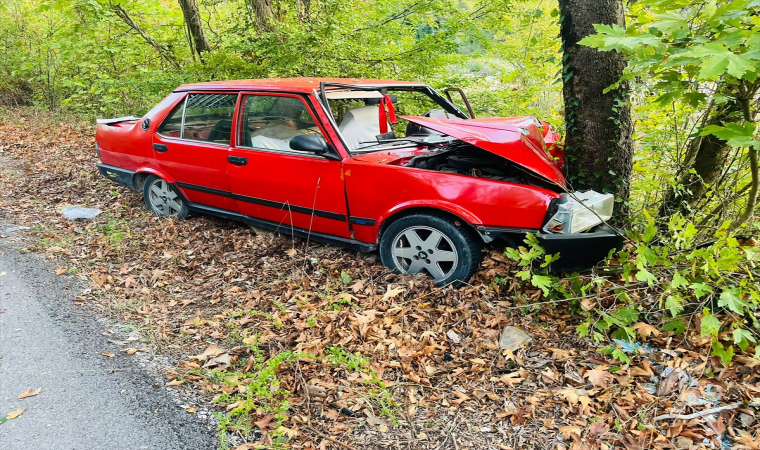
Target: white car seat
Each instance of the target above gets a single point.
(360, 125)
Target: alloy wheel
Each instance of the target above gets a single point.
(164, 199)
(422, 248)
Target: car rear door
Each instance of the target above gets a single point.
(272, 182)
(192, 146)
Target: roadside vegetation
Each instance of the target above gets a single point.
(302, 345)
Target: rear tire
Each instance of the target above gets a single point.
(163, 199)
(432, 244)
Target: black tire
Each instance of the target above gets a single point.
(163, 199)
(457, 242)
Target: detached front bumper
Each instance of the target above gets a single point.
(580, 251)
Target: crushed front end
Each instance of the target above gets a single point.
(576, 229)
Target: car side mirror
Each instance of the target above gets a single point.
(310, 143)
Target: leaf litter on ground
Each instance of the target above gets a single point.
(306, 345)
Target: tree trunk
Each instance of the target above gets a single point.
(706, 156)
(598, 145)
(194, 26)
(707, 164)
(262, 15)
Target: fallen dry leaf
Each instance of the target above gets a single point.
(108, 355)
(13, 414)
(29, 393)
(130, 351)
(645, 330)
(568, 430)
(392, 293)
(599, 376)
(267, 423)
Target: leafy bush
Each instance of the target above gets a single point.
(661, 282)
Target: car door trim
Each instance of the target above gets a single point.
(263, 202)
(352, 244)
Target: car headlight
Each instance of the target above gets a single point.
(580, 211)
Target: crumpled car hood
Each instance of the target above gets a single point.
(517, 139)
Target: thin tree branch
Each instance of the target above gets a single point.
(698, 414)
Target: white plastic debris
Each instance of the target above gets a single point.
(79, 212)
(455, 338)
(512, 338)
(12, 229)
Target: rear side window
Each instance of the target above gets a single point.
(172, 126)
(202, 117)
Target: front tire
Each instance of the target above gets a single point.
(432, 244)
(163, 199)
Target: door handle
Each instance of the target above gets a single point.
(160, 147)
(237, 160)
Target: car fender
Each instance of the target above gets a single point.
(157, 172)
(451, 208)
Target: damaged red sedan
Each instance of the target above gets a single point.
(365, 164)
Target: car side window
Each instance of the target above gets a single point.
(172, 126)
(269, 122)
(202, 117)
(208, 117)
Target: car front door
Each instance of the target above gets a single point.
(192, 146)
(270, 181)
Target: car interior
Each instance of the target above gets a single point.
(358, 115)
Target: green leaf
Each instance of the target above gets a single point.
(625, 316)
(645, 275)
(678, 281)
(710, 324)
(677, 326)
(717, 60)
(701, 289)
(742, 338)
(670, 21)
(731, 299)
(543, 282)
(726, 353)
(736, 134)
(673, 303)
(621, 356)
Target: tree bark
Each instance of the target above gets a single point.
(262, 15)
(199, 42)
(598, 145)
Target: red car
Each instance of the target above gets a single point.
(366, 164)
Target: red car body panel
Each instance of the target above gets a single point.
(349, 196)
(380, 190)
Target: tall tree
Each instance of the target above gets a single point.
(198, 41)
(262, 13)
(598, 145)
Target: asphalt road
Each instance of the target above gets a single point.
(46, 341)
